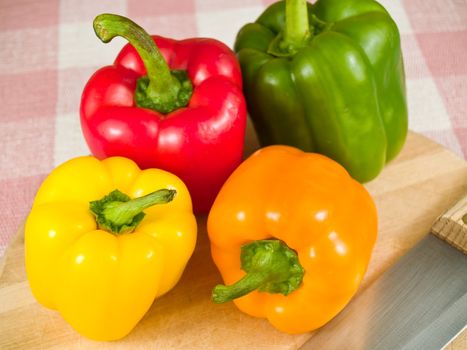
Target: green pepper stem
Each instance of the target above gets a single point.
(297, 28)
(163, 87)
(296, 32)
(117, 213)
(271, 267)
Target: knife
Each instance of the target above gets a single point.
(419, 303)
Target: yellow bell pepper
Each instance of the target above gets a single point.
(93, 255)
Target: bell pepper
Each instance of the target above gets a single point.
(177, 106)
(327, 78)
(96, 248)
(291, 234)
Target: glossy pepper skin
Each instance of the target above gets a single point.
(311, 204)
(202, 142)
(102, 283)
(335, 85)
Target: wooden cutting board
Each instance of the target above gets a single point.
(412, 191)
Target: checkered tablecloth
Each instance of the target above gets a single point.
(48, 50)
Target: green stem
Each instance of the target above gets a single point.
(248, 283)
(117, 213)
(124, 212)
(161, 90)
(296, 31)
(271, 267)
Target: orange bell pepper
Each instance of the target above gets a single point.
(292, 234)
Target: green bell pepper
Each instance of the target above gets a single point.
(327, 78)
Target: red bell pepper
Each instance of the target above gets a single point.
(188, 119)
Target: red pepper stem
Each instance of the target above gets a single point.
(162, 84)
(297, 28)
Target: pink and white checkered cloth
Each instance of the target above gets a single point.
(48, 51)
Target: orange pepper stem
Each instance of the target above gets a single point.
(271, 266)
(117, 213)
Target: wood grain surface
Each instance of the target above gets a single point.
(413, 190)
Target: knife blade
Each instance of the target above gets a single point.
(419, 303)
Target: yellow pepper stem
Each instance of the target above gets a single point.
(117, 213)
(271, 267)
